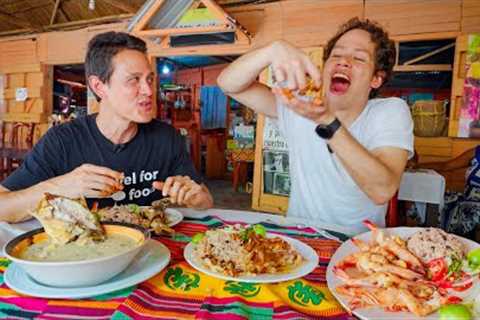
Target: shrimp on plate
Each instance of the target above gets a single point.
(392, 299)
(385, 273)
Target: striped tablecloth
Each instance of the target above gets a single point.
(180, 292)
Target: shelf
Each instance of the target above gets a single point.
(422, 68)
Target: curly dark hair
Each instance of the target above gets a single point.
(102, 49)
(385, 51)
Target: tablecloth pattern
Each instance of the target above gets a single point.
(180, 292)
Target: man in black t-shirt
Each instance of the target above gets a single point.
(120, 148)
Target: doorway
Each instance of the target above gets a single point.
(69, 92)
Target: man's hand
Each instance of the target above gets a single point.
(317, 111)
(292, 66)
(86, 181)
(184, 191)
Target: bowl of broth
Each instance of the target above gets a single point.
(77, 264)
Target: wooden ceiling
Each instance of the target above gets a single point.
(27, 16)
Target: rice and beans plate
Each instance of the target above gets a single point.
(238, 250)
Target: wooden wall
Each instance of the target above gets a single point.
(27, 61)
(402, 17)
(306, 23)
(470, 16)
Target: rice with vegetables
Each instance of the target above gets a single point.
(432, 243)
(240, 251)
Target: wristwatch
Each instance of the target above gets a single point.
(326, 131)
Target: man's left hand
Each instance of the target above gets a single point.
(183, 190)
(316, 110)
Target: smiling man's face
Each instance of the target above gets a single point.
(348, 74)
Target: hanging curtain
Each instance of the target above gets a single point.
(213, 106)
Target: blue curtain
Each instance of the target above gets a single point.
(213, 108)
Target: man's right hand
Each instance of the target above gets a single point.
(292, 65)
(88, 180)
(289, 64)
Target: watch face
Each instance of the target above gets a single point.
(324, 131)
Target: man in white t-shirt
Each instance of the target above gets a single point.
(348, 151)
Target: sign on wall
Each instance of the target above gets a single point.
(470, 110)
(21, 94)
(276, 175)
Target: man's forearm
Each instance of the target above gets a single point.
(371, 175)
(239, 75)
(16, 204)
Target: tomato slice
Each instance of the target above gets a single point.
(464, 287)
(438, 269)
(444, 284)
(454, 300)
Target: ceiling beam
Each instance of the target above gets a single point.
(78, 23)
(422, 67)
(122, 6)
(63, 13)
(54, 12)
(429, 54)
(15, 32)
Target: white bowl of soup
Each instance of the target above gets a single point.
(73, 264)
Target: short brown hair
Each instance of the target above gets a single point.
(384, 47)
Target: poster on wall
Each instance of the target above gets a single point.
(276, 176)
(276, 172)
(272, 138)
(469, 121)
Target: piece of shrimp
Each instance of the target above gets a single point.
(396, 246)
(391, 299)
(371, 262)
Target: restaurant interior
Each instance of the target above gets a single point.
(249, 254)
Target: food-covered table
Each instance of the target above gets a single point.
(181, 292)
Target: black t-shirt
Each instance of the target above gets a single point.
(156, 152)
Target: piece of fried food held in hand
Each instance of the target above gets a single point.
(87, 180)
(182, 190)
(310, 93)
(115, 187)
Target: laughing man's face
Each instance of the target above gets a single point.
(348, 74)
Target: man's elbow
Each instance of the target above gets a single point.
(228, 87)
(383, 195)
(223, 84)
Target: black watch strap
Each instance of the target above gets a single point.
(326, 131)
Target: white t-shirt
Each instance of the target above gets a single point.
(322, 190)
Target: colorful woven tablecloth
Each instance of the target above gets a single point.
(181, 292)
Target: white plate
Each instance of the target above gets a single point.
(310, 256)
(174, 217)
(376, 312)
(148, 262)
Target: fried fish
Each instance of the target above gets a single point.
(65, 219)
